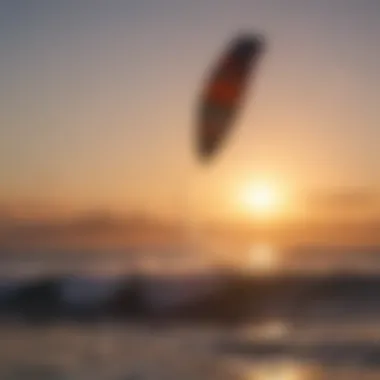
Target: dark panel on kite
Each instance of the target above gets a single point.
(224, 93)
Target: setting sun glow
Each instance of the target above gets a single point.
(261, 200)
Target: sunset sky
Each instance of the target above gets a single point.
(97, 101)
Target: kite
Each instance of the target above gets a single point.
(224, 93)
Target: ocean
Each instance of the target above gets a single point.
(320, 318)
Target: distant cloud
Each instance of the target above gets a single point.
(23, 225)
(26, 210)
(345, 199)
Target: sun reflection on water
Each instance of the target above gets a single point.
(277, 371)
(263, 259)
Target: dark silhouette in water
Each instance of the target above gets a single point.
(38, 302)
(239, 298)
(128, 301)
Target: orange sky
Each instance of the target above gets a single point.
(97, 109)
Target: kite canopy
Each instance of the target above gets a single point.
(224, 93)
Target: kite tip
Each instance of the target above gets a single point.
(256, 38)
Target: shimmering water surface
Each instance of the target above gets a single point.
(271, 350)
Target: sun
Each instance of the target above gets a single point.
(262, 200)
